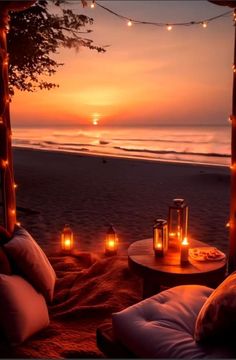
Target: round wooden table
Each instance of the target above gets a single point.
(168, 272)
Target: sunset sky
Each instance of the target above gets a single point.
(148, 75)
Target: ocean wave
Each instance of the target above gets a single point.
(166, 152)
(171, 141)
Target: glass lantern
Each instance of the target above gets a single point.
(177, 223)
(160, 237)
(111, 241)
(67, 239)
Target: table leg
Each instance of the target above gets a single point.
(150, 287)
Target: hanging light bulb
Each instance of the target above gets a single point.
(204, 24)
(129, 23)
(92, 4)
(169, 27)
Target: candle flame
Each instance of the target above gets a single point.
(111, 244)
(185, 241)
(67, 243)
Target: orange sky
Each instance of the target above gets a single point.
(147, 76)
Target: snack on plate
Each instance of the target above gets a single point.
(206, 254)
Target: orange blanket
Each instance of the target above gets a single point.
(89, 288)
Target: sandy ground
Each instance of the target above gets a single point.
(89, 192)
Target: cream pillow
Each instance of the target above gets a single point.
(32, 262)
(217, 317)
(23, 311)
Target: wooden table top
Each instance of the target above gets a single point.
(141, 256)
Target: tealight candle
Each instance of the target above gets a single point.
(184, 251)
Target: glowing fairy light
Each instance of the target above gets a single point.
(203, 22)
(13, 211)
(95, 122)
(228, 224)
(4, 163)
(18, 223)
(92, 5)
(15, 185)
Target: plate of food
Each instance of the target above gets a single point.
(207, 253)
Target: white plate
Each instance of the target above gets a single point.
(206, 254)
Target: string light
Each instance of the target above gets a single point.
(7, 27)
(169, 26)
(230, 119)
(4, 163)
(18, 223)
(15, 185)
(228, 224)
(92, 5)
(13, 211)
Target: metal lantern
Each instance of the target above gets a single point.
(160, 237)
(111, 241)
(177, 223)
(67, 239)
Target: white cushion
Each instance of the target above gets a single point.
(32, 262)
(163, 326)
(23, 311)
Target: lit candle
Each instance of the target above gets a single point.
(111, 241)
(184, 251)
(67, 239)
(67, 244)
(158, 250)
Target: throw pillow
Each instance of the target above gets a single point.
(217, 317)
(23, 311)
(32, 262)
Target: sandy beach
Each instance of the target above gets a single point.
(88, 192)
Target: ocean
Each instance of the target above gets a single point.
(187, 144)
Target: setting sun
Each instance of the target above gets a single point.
(95, 118)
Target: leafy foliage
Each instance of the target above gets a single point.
(35, 36)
